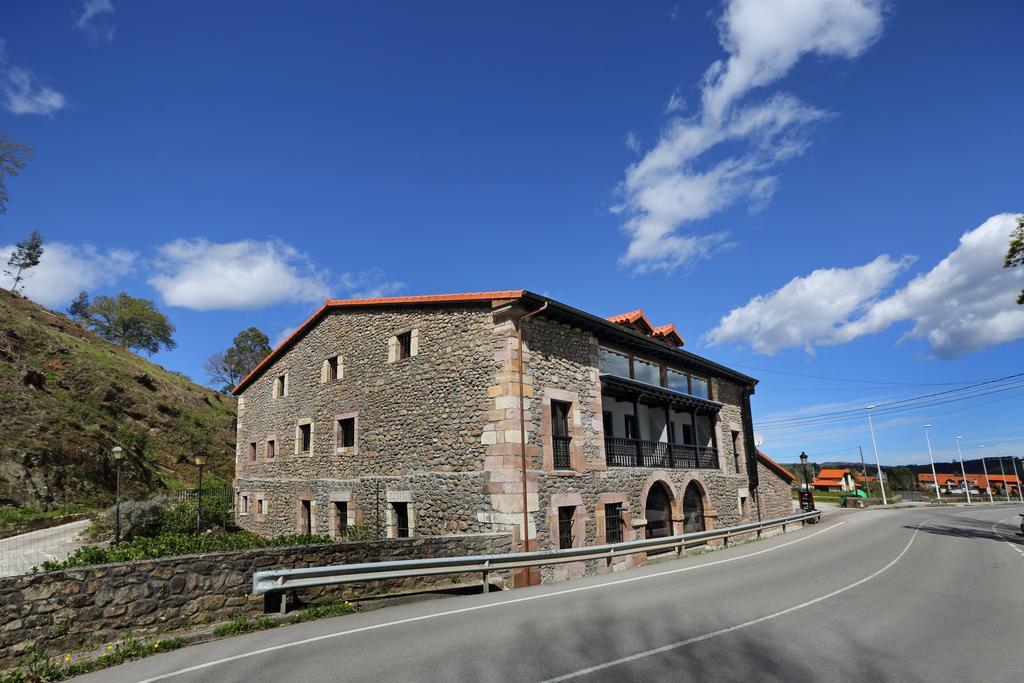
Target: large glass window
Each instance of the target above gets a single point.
(646, 372)
(678, 381)
(699, 387)
(614, 363)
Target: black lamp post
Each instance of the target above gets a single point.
(806, 496)
(118, 454)
(200, 460)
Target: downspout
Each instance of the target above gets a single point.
(522, 431)
(753, 481)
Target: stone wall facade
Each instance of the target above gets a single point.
(775, 493)
(65, 609)
(440, 432)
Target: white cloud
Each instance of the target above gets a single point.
(23, 94)
(965, 303)
(968, 301)
(66, 269)
(370, 284)
(633, 142)
(806, 310)
(675, 103)
(207, 276)
(673, 184)
(91, 9)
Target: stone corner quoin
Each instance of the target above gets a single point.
(404, 416)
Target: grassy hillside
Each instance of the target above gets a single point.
(68, 397)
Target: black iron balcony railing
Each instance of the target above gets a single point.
(622, 452)
(562, 459)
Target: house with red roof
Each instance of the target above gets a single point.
(834, 480)
(443, 414)
(976, 483)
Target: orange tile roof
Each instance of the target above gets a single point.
(669, 333)
(776, 467)
(666, 333)
(467, 297)
(832, 473)
(632, 318)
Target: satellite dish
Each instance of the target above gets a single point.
(758, 440)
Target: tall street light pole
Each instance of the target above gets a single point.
(200, 460)
(1020, 493)
(984, 468)
(878, 465)
(118, 454)
(935, 477)
(967, 486)
(1006, 484)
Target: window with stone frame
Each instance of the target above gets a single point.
(340, 518)
(405, 345)
(566, 520)
(736, 451)
(281, 386)
(613, 522)
(252, 451)
(243, 505)
(261, 505)
(346, 432)
(561, 436)
(271, 449)
(401, 519)
(304, 442)
(332, 367)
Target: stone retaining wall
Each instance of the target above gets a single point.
(67, 609)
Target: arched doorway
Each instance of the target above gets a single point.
(693, 508)
(658, 511)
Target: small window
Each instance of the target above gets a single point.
(613, 523)
(243, 508)
(346, 432)
(404, 345)
(332, 368)
(281, 386)
(565, 524)
(340, 518)
(305, 437)
(401, 519)
(263, 506)
(306, 517)
(271, 449)
(252, 451)
(560, 437)
(736, 451)
(609, 423)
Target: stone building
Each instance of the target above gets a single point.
(403, 415)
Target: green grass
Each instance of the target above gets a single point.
(244, 624)
(38, 666)
(326, 610)
(32, 513)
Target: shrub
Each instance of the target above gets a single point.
(139, 518)
(180, 518)
(170, 545)
(243, 624)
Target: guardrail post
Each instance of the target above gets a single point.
(486, 574)
(284, 602)
(725, 541)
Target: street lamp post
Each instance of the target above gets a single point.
(988, 484)
(200, 460)
(1020, 493)
(935, 477)
(806, 496)
(878, 466)
(1006, 484)
(967, 486)
(118, 454)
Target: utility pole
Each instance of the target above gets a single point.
(988, 484)
(967, 486)
(935, 477)
(1006, 488)
(878, 465)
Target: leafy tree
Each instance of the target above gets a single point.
(27, 254)
(230, 367)
(79, 308)
(13, 156)
(131, 323)
(1015, 255)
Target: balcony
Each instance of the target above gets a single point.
(622, 452)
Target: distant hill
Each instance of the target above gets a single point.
(69, 396)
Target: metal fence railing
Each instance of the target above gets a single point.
(276, 580)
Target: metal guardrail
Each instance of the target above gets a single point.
(310, 577)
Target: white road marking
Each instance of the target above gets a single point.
(1015, 546)
(463, 610)
(737, 627)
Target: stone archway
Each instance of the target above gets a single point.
(693, 508)
(658, 511)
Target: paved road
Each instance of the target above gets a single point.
(881, 595)
(18, 554)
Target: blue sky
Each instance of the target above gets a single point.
(788, 186)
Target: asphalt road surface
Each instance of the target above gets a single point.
(18, 554)
(876, 595)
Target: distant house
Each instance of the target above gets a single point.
(834, 480)
(976, 483)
